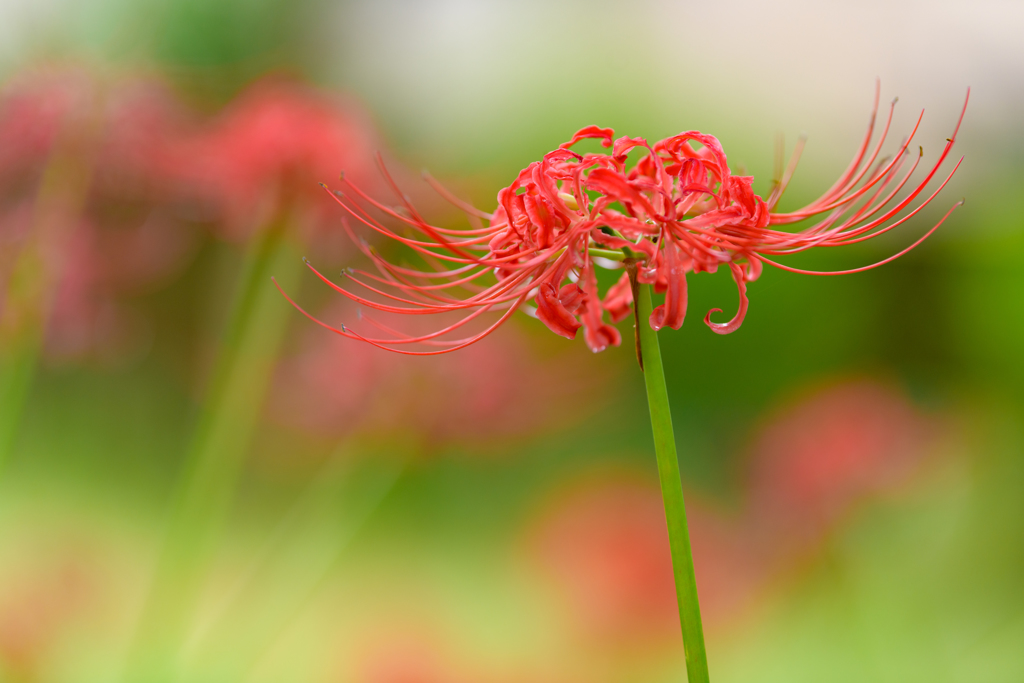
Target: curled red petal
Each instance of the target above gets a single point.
(625, 144)
(552, 313)
(673, 311)
(615, 185)
(604, 134)
(571, 297)
(596, 332)
(734, 324)
(600, 337)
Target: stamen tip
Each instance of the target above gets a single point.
(341, 176)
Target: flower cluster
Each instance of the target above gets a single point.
(672, 209)
(108, 185)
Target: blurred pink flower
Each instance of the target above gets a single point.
(92, 200)
(416, 653)
(91, 315)
(38, 604)
(503, 390)
(402, 659)
(605, 544)
(36, 108)
(269, 150)
(817, 456)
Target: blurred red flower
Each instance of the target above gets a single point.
(269, 149)
(36, 109)
(38, 605)
(92, 207)
(402, 658)
(817, 456)
(605, 544)
(502, 390)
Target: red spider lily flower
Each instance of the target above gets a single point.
(677, 209)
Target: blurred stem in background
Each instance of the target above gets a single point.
(35, 275)
(296, 558)
(203, 494)
(671, 490)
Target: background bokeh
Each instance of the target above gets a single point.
(197, 484)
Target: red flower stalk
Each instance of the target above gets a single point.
(677, 209)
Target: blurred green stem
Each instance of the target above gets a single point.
(26, 309)
(671, 492)
(17, 366)
(214, 459)
(296, 559)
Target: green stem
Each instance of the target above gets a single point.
(672, 493)
(214, 459)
